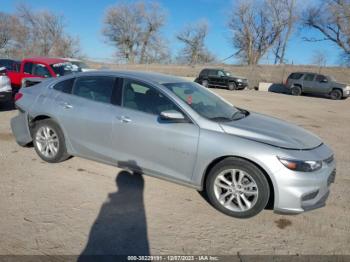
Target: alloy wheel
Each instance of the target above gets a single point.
(47, 141)
(236, 190)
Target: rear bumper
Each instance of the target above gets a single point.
(5, 96)
(20, 129)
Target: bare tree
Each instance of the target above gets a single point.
(193, 37)
(289, 14)
(154, 19)
(122, 27)
(5, 30)
(255, 27)
(332, 19)
(134, 28)
(319, 59)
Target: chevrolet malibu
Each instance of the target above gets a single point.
(177, 130)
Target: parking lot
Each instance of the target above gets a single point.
(82, 206)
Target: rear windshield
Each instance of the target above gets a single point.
(295, 76)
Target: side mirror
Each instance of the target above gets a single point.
(172, 115)
(324, 80)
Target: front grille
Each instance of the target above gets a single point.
(329, 160)
(331, 177)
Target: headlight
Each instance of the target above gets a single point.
(300, 165)
(239, 80)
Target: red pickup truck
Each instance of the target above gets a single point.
(39, 67)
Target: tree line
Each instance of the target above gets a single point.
(256, 28)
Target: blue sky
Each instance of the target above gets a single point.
(85, 19)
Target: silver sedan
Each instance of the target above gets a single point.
(177, 130)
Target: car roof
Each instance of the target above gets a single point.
(140, 75)
(45, 60)
(304, 73)
(213, 69)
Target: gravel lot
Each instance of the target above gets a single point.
(82, 206)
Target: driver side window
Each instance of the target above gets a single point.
(221, 74)
(41, 70)
(142, 97)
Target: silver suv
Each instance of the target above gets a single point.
(180, 131)
(303, 82)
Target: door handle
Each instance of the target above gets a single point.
(124, 119)
(66, 105)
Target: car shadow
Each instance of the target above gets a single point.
(7, 106)
(120, 227)
(279, 88)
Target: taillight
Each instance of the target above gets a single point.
(18, 96)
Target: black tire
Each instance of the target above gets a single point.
(336, 94)
(296, 91)
(263, 189)
(205, 83)
(232, 86)
(61, 153)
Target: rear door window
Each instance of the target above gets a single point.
(96, 88)
(213, 72)
(28, 68)
(309, 77)
(65, 86)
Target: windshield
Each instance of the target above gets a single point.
(204, 102)
(66, 68)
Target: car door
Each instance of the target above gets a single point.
(309, 83)
(322, 84)
(148, 144)
(40, 70)
(86, 114)
(222, 78)
(213, 77)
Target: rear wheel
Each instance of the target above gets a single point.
(49, 141)
(232, 86)
(296, 91)
(237, 188)
(336, 94)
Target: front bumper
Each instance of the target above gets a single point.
(242, 85)
(5, 96)
(346, 93)
(301, 191)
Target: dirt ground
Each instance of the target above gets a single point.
(80, 206)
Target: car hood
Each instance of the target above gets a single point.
(272, 131)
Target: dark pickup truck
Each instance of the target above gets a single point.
(210, 77)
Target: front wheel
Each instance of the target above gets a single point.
(232, 86)
(49, 141)
(237, 188)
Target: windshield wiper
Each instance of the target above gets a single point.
(220, 118)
